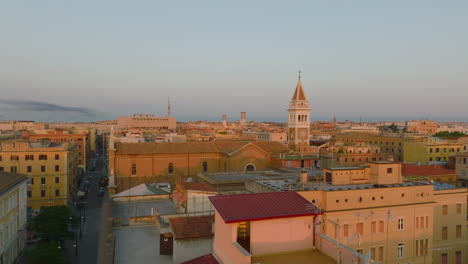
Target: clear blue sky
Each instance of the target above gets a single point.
(376, 59)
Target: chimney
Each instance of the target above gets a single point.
(304, 177)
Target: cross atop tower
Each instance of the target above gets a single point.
(299, 72)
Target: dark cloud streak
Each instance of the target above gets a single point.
(29, 105)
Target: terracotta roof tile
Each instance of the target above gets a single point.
(195, 147)
(206, 259)
(425, 170)
(262, 206)
(192, 227)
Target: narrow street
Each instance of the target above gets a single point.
(87, 249)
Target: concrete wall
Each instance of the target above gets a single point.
(187, 249)
(225, 246)
(281, 235)
(450, 198)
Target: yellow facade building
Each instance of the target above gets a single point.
(52, 167)
(407, 147)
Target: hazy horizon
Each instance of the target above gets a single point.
(90, 60)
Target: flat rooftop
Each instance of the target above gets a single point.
(292, 185)
(233, 177)
(308, 256)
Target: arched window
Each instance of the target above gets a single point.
(170, 169)
(250, 167)
(205, 166)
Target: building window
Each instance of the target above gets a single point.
(29, 194)
(458, 231)
(57, 179)
(29, 169)
(29, 157)
(134, 169)
(250, 167)
(437, 150)
(57, 156)
(381, 253)
(459, 208)
(401, 224)
(42, 193)
(57, 168)
(444, 258)
(42, 157)
(243, 235)
(14, 157)
(389, 170)
(400, 251)
(43, 180)
(444, 233)
(205, 166)
(42, 168)
(373, 227)
(360, 228)
(458, 257)
(345, 230)
(2, 169)
(13, 169)
(32, 181)
(57, 192)
(170, 169)
(444, 209)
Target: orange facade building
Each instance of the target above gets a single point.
(131, 164)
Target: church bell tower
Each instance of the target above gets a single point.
(299, 120)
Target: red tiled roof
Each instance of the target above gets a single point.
(262, 206)
(196, 147)
(206, 259)
(195, 186)
(424, 170)
(192, 227)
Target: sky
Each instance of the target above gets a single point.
(94, 60)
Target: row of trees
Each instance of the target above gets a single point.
(449, 134)
(53, 226)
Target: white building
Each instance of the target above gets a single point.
(13, 211)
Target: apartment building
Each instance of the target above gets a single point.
(372, 210)
(82, 139)
(12, 216)
(406, 147)
(52, 167)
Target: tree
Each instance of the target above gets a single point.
(45, 253)
(449, 134)
(54, 223)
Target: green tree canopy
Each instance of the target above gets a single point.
(54, 223)
(449, 134)
(45, 253)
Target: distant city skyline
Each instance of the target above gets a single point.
(89, 61)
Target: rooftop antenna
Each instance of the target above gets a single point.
(168, 106)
